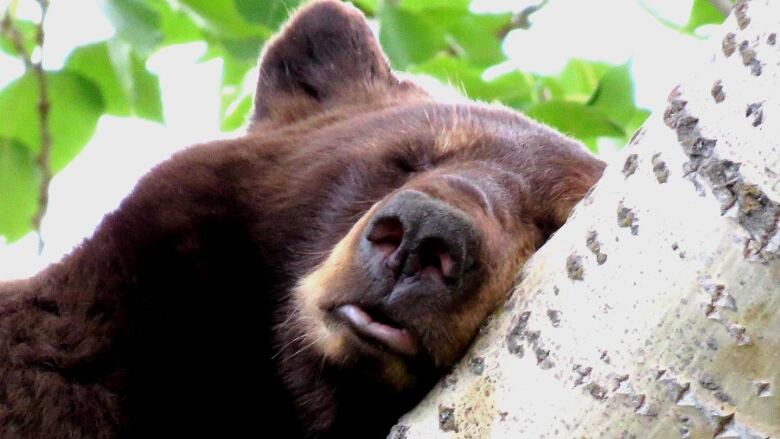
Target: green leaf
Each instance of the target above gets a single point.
(547, 88)
(576, 119)
(413, 31)
(146, 93)
(512, 88)
(236, 114)
(592, 143)
(702, 12)
(615, 95)
(27, 30)
(428, 5)
(247, 49)
(368, 7)
(637, 120)
(19, 181)
(479, 37)
(226, 30)
(408, 37)
(135, 22)
(128, 89)
(234, 72)
(75, 106)
(222, 19)
(579, 79)
(269, 13)
(176, 25)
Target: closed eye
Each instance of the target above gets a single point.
(404, 165)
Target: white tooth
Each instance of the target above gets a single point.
(356, 315)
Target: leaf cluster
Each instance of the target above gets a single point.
(441, 38)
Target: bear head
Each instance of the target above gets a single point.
(428, 213)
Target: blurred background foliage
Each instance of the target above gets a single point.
(444, 39)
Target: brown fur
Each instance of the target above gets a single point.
(201, 305)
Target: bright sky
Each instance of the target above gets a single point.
(124, 149)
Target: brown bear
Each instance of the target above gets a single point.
(312, 278)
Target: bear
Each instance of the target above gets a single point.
(313, 277)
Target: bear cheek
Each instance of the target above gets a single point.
(335, 281)
(448, 343)
(464, 325)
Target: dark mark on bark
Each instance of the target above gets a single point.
(717, 91)
(729, 44)
(771, 39)
(627, 218)
(447, 420)
(674, 389)
(756, 212)
(583, 374)
(541, 357)
(646, 409)
(591, 241)
(696, 146)
(516, 335)
(721, 423)
(629, 167)
(574, 267)
(739, 333)
(659, 169)
(749, 58)
(477, 365)
(637, 136)
(758, 215)
(756, 111)
(555, 317)
(533, 337)
(723, 176)
(740, 10)
(596, 391)
(398, 431)
(763, 389)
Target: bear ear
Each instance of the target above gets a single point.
(324, 57)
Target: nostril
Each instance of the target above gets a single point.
(386, 235)
(436, 258)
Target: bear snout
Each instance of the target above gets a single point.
(418, 239)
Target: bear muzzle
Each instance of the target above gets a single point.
(424, 245)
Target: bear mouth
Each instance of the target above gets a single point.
(376, 328)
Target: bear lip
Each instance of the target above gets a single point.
(399, 340)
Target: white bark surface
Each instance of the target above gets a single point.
(655, 312)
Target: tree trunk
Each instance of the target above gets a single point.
(655, 312)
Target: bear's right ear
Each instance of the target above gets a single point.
(324, 57)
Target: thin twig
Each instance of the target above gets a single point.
(36, 67)
(44, 153)
(522, 19)
(12, 33)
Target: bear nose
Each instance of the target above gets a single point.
(414, 234)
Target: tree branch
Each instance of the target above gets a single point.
(653, 340)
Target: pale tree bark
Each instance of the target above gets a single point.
(655, 311)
